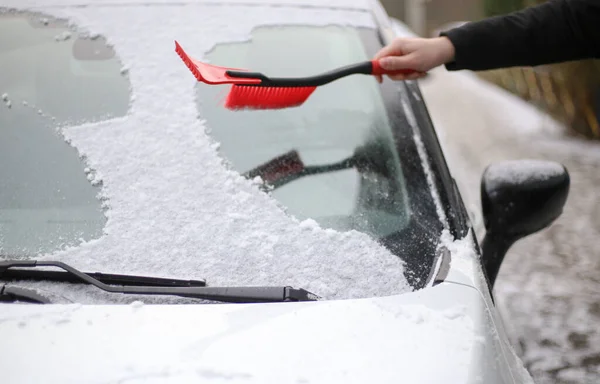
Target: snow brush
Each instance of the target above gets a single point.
(253, 90)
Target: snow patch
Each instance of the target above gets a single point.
(309, 224)
(6, 100)
(519, 171)
(571, 375)
(463, 248)
(455, 312)
(63, 36)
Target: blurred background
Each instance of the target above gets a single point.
(548, 289)
(570, 92)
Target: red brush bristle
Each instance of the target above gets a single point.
(254, 97)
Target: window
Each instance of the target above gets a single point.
(52, 76)
(359, 164)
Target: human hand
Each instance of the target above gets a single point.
(418, 54)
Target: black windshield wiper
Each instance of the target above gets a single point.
(224, 294)
(106, 278)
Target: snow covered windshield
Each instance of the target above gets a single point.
(114, 159)
(343, 136)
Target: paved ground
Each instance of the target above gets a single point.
(549, 286)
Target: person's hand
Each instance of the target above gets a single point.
(418, 54)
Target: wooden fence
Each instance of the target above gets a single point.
(570, 92)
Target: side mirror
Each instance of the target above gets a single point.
(518, 198)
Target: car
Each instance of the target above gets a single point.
(170, 239)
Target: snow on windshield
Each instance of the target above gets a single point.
(173, 208)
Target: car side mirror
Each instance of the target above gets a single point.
(518, 198)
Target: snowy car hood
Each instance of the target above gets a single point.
(437, 335)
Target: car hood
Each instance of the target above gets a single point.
(437, 335)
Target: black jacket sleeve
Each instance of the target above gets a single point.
(552, 32)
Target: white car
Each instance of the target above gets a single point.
(324, 243)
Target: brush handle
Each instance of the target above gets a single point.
(366, 68)
(377, 70)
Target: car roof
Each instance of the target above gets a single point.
(331, 4)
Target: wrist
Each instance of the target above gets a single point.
(446, 49)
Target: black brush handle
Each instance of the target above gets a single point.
(313, 81)
(365, 68)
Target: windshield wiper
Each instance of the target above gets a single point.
(224, 294)
(106, 278)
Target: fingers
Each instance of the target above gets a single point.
(396, 63)
(412, 76)
(389, 50)
(391, 58)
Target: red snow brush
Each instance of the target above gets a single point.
(253, 90)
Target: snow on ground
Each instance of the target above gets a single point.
(549, 286)
(172, 204)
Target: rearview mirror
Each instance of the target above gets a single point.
(518, 198)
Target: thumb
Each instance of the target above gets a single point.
(395, 63)
(389, 50)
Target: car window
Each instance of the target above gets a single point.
(52, 76)
(364, 170)
(341, 120)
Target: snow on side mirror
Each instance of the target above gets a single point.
(518, 198)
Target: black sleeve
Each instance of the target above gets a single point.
(552, 32)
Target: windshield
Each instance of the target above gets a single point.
(382, 193)
(51, 77)
(366, 174)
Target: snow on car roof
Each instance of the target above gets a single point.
(173, 207)
(336, 4)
